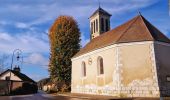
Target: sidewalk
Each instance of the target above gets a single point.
(91, 97)
(4, 98)
(101, 97)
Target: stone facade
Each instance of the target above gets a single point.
(136, 69)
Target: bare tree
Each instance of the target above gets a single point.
(3, 62)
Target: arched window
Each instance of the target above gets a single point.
(91, 28)
(100, 66)
(102, 24)
(96, 25)
(107, 25)
(83, 69)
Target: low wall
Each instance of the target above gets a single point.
(17, 87)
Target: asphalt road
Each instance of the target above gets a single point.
(38, 96)
(44, 96)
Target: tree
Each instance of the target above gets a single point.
(3, 62)
(64, 44)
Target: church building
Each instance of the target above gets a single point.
(132, 60)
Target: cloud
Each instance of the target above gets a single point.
(21, 25)
(42, 12)
(37, 59)
(26, 42)
(23, 22)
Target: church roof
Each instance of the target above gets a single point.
(136, 30)
(101, 11)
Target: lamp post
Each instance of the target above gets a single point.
(18, 54)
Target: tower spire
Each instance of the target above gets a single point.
(99, 3)
(139, 13)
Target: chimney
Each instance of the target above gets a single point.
(17, 69)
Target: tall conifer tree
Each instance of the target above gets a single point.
(64, 44)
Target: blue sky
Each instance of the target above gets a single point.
(23, 24)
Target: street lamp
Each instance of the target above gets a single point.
(18, 54)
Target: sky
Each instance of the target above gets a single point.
(24, 25)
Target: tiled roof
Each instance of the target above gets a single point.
(22, 76)
(136, 30)
(101, 11)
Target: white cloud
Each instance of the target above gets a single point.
(37, 59)
(27, 43)
(21, 25)
(44, 12)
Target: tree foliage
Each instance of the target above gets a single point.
(64, 44)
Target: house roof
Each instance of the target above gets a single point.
(22, 76)
(101, 11)
(135, 30)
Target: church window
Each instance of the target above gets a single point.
(83, 69)
(107, 25)
(96, 25)
(91, 28)
(100, 66)
(102, 24)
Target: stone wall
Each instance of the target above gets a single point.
(17, 87)
(162, 55)
(129, 71)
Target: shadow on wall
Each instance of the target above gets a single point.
(162, 62)
(17, 87)
(26, 88)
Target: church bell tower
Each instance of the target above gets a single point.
(99, 22)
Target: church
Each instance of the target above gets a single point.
(131, 60)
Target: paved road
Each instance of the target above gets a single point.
(43, 96)
(40, 96)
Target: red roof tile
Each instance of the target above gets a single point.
(136, 30)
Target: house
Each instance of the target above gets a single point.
(131, 60)
(47, 87)
(15, 82)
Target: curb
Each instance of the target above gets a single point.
(65, 95)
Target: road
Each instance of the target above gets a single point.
(44, 96)
(38, 96)
(41, 96)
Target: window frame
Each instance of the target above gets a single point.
(107, 24)
(97, 25)
(94, 26)
(100, 66)
(102, 24)
(83, 70)
(91, 27)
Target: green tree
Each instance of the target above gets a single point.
(64, 44)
